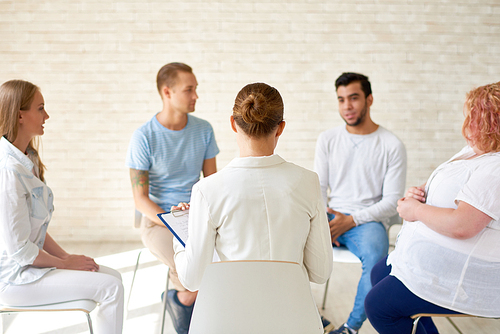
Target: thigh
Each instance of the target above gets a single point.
(62, 285)
(367, 241)
(389, 306)
(159, 240)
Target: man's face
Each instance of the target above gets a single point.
(353, 105)
(183, 95)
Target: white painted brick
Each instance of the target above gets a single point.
(96, 62)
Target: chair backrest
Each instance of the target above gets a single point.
(255, 297)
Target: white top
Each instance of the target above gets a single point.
(256, 208)
(25, 211)
(364, 174)
(461, 275)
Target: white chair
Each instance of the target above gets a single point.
(82, 305)
(417, 317)
(343, 255)
(255, 297)
(137, 224)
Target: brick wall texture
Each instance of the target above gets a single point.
(96, 64)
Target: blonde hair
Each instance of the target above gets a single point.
(258, 109)
(16, 95)
(482, 121)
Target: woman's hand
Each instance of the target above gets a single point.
(79, 262)
(181, 207)
(408, 207)
(417, 193)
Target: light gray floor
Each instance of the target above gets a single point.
(144, 311)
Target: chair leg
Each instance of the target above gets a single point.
(133, 278)
(324, 296)
(165, 301)
(454, 326)
(89, 320)
(415, 325)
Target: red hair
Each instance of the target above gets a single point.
(482, 121)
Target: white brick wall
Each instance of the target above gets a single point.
(96, 63)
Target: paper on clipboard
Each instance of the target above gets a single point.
(177, 223)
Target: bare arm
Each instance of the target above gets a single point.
(209, 167)
(464, 222)
(53, 255)
(140, 190)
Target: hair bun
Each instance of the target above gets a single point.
(253, 108)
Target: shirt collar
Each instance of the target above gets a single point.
(256, 162)
(13, 151)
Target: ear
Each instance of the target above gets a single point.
(166, 92)
(281, 127)
(21, 115)
(369, 100)
(233, 124)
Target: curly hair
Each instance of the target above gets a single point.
(482, 120)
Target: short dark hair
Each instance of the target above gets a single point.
(347, 78)
(167, 75)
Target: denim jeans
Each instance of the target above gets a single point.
(370, 244)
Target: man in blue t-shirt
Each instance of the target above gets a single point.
(165, 157)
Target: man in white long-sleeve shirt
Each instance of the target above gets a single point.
(362, 172)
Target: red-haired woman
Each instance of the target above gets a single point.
(447, 257)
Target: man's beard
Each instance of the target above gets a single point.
(361, 117)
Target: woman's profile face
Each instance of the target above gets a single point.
(31, 121)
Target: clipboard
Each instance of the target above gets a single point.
(177, 222)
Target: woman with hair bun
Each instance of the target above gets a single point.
(447, 256)
(259, 207)
(34, 269)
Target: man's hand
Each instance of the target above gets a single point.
(339, 225)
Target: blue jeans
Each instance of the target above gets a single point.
(390, 305)
(370, 244)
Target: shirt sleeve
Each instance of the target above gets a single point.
(139, 152)
(321, 167)
(318, 253)
(191, 262)
(482, 191)
(212, 148)
(392, 190)
(15, 226)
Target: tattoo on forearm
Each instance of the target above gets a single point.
(139, 178)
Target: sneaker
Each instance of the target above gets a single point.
(180, 314)
(344, 329)
(324, 321)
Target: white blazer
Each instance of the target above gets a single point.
(257, 208)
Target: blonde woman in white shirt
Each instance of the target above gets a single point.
(34, 269)
(447, 257)
(259, 207)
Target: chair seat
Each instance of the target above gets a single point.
(343, 255)
(84, 305)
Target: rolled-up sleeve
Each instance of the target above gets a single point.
(15, 222)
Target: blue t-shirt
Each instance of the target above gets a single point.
(174, 159)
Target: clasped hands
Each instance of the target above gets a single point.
(408, 206)
(339, 225)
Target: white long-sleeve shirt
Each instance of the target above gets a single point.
(25, 211)
(256, 208)
(362, 175)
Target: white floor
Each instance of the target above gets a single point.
(144, 312)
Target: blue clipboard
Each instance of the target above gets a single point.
(177, 223)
